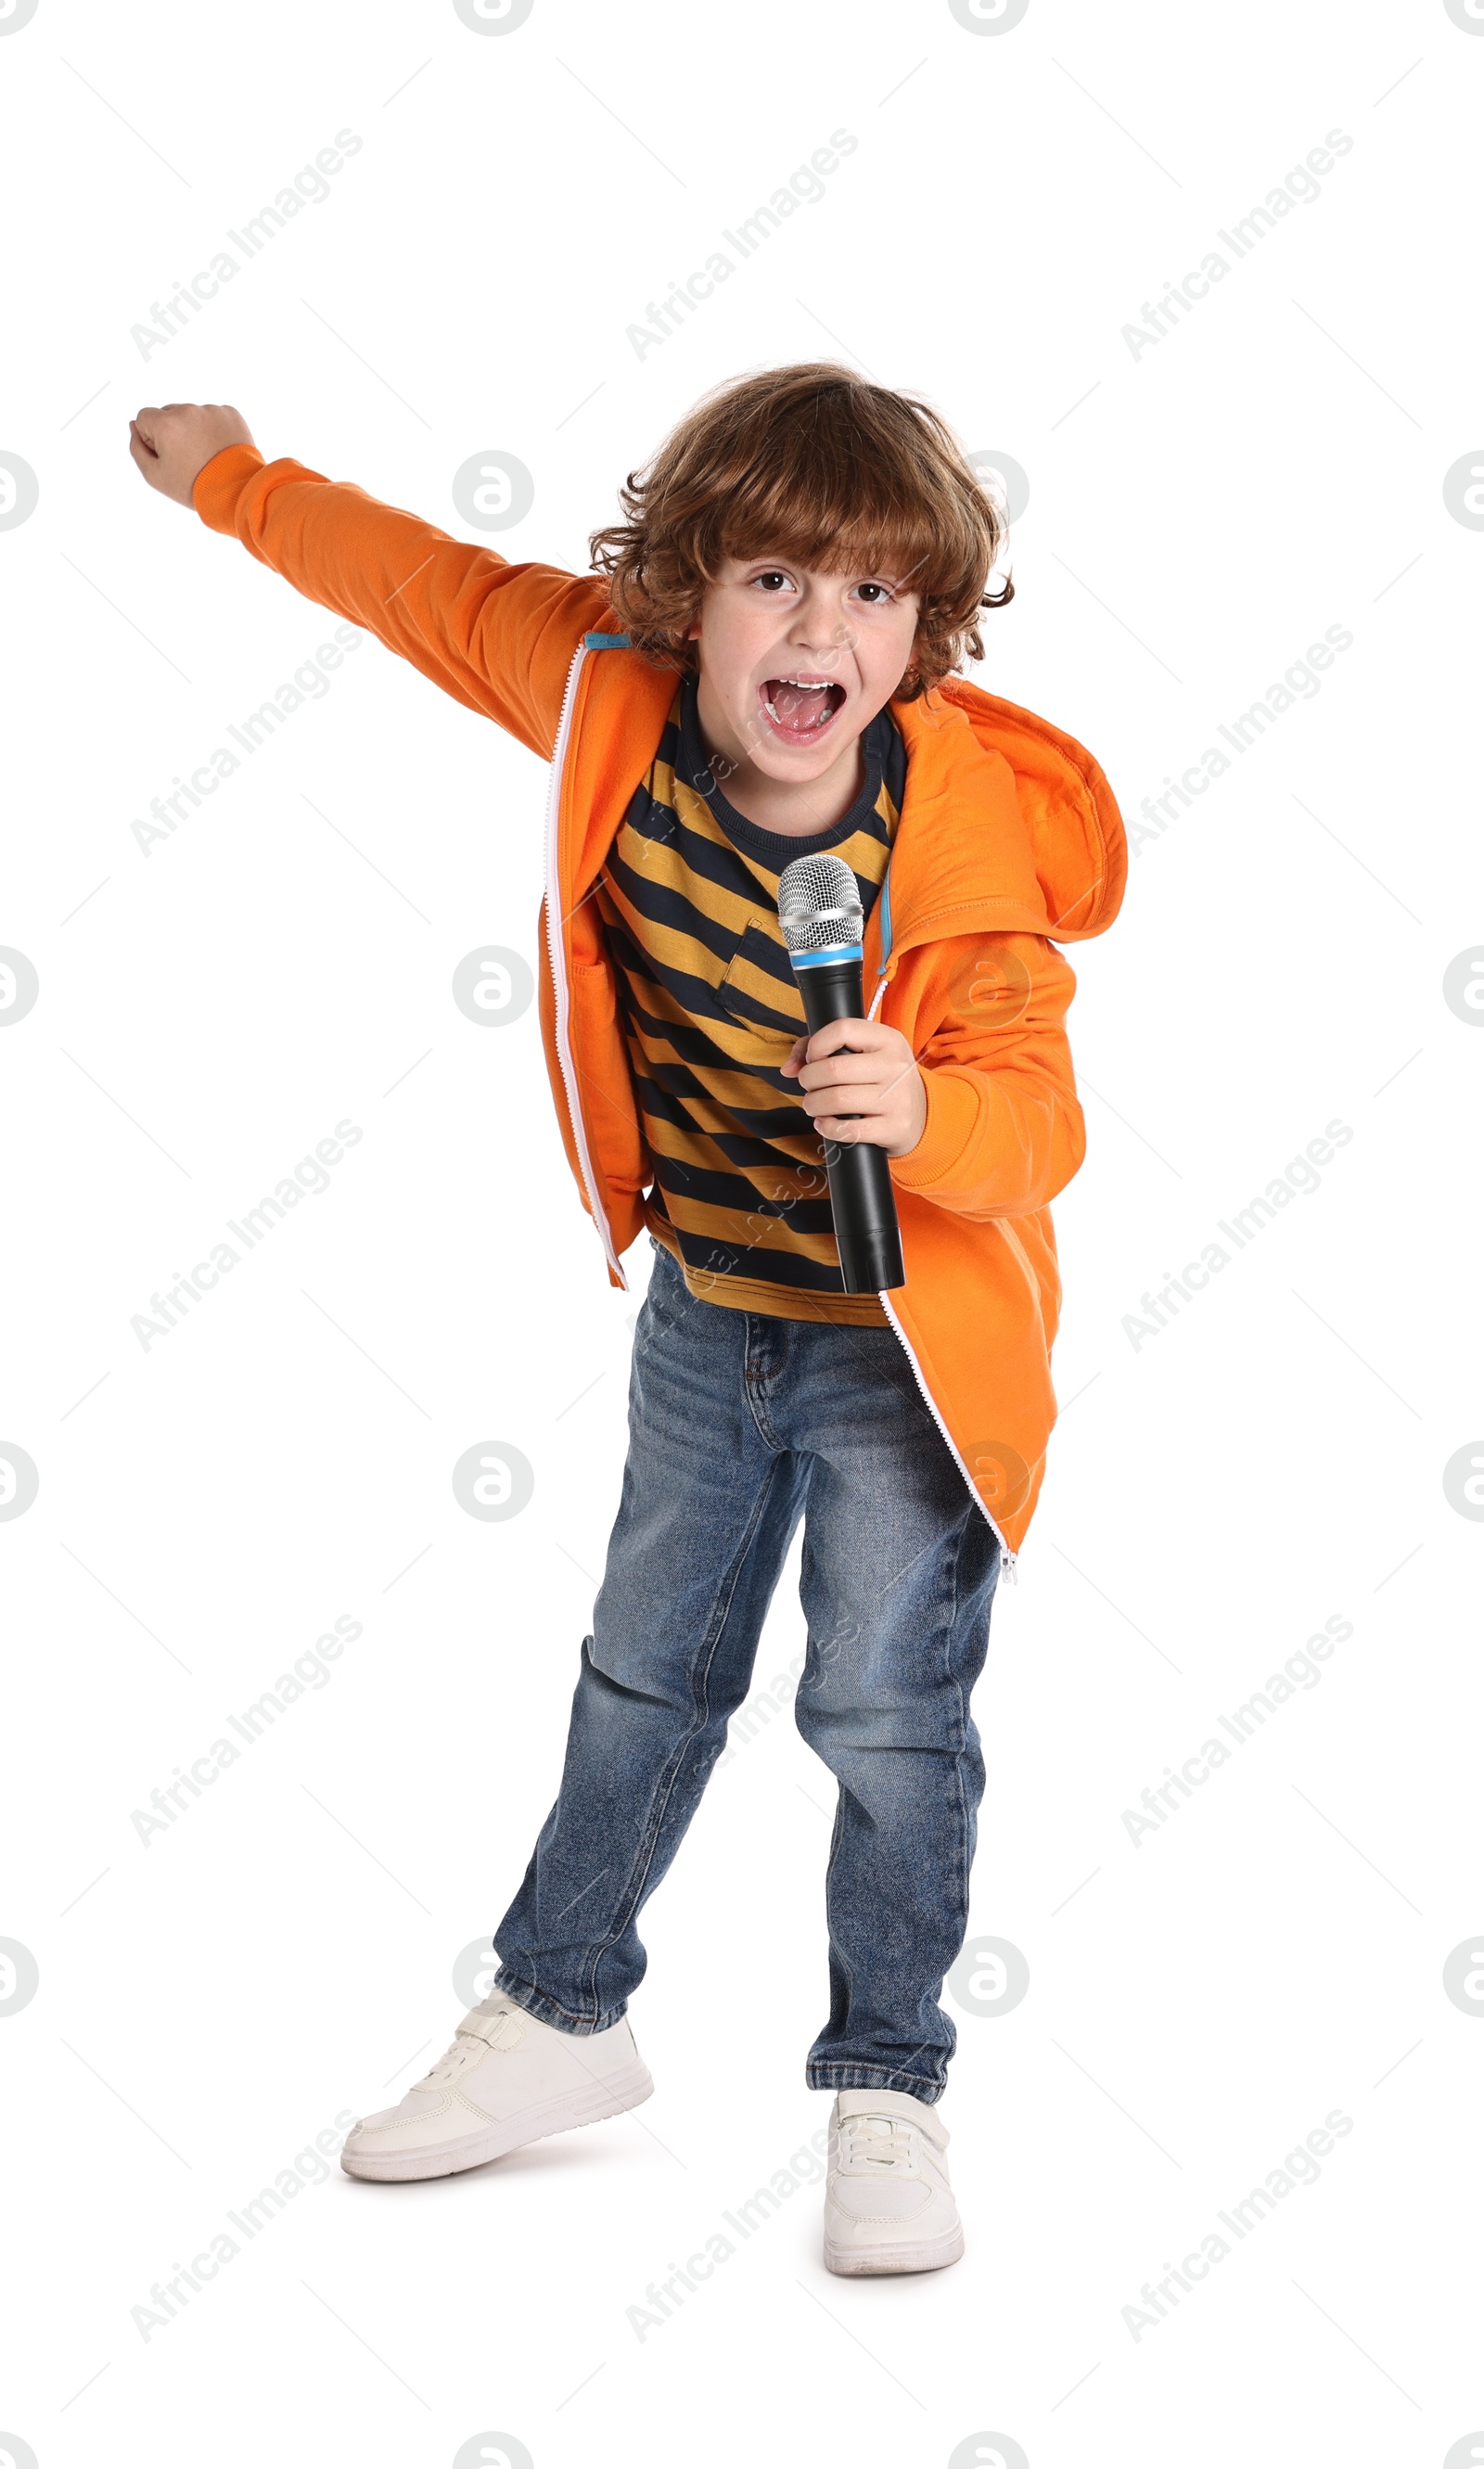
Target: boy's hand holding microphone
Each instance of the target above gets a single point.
(869, 1068)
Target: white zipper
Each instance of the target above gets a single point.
(1006, 1556)
(555, 956)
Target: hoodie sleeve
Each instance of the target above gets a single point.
(1003, 1129)
(497, 638)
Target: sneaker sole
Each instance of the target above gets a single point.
(930, 2256)
(607, 2099)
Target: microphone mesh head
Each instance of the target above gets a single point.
(818, 904)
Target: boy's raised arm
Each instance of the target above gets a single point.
(498, 638)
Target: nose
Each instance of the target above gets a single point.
(818, 630)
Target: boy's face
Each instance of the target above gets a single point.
(796, 661)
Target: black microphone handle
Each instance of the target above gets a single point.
(860, 1179)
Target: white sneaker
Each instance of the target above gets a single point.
(507, 2080)
(888, 2203)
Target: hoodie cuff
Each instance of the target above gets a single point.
(952, 1111)
(220, 483)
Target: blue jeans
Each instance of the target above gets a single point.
(739, 1425)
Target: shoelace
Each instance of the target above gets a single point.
(881, 2138)
(464, 2050)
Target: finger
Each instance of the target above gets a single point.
(848, 1068)
(845, 1065)
(835, 1099)
(860, 1034)
(795, 1056)
(139, 445)
(146, 463)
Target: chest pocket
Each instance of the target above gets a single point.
(752, 994)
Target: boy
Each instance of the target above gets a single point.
(761, 665)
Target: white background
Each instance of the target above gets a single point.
(282, 1953)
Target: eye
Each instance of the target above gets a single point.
(775, 580)
(884, 589)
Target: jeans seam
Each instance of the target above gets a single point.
(836, 1839)
(755, 1405)
(525, 1995)
(962, 1748)
(849, 2074)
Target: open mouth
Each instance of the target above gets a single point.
(801, 707)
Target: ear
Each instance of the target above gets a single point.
(692, 633)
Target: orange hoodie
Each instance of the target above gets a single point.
(1008, 837)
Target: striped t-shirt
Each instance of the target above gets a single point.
(688, 901)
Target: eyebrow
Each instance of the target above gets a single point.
(856, 574)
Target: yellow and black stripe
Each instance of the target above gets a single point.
(688, 901)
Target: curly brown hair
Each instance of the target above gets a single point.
(813, 464)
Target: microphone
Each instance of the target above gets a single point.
(819, 914)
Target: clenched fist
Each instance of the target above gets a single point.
(172, 442)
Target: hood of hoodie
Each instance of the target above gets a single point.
(1008, 824)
